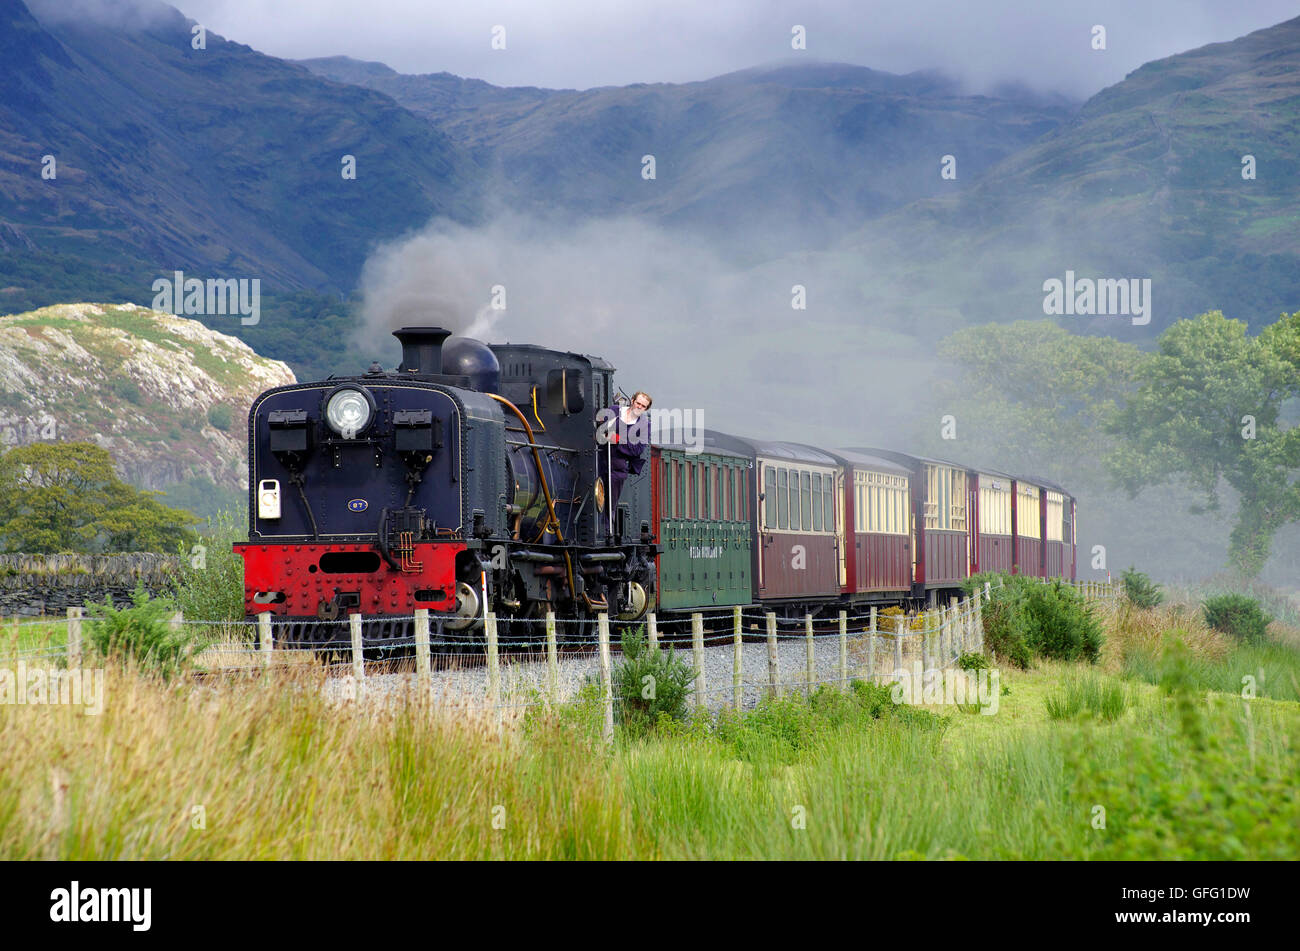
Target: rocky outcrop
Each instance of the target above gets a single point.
(167, 396)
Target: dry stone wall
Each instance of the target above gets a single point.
(33, 585)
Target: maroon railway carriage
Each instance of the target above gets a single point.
(939, 509)
(992, 497)
(873, 508)
(1027, 525)
(798, 557)
(1045, 529)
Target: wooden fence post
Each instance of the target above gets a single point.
(954, 632)
(552, 659)
(927, 640)
(812, 660)
(358, 659)
(74, 637)
(774, 686)
(979, 623)
(844, 652)
(493, 664)
(871, 648)
(264, 636)
(737, 660)
(697, 648)
(606, 683)
(898, 642)
(652, 626)
(423, 672)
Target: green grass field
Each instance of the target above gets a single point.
(269, 769)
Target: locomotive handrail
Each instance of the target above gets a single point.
(552, 519)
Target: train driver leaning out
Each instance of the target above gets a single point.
(623, 437)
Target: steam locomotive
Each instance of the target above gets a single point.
(467, 480)
(462, 480)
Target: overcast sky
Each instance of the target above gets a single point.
(584, 43)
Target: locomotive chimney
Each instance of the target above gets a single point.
(421, 348)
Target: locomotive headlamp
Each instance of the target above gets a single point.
(349, 411)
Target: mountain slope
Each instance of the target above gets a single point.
(218, 160)
(1146, 182)
(805, 148)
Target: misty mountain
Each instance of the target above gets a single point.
(793, 152)
(219, 160)
(1152, 179)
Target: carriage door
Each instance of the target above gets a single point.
(766, 520)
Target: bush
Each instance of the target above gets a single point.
(973, 661)
(126, 388)
(210, 583)
(221, 416)
(141, 632)
(1237, 615)
(1140, 591)
(649, 685)
(1027, 618)
(887, 620)
(781, 730)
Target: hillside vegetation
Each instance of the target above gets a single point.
(167, 396)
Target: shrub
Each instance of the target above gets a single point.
(973, 661)
(127, 389)
(1027, 618)
(141, 632)
(221, 416)
(210, 582)
(1139, 589)
(887, 620)
(781, 730)
(649, 684)
(1237, 615)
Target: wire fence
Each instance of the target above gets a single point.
(512, 663)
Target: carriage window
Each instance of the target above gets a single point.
(817, 502)
(805, 484)
(666, 491)
(782, 507)
(794, 500)
(729, 492)
(828, 504)
(706, 501)
(1028, 517)
(769, 497)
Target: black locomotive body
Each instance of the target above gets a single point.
(464, 481)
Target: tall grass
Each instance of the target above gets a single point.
(1137, 640)
(1081, 693)
(270, 768)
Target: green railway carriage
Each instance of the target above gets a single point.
(703, 511)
